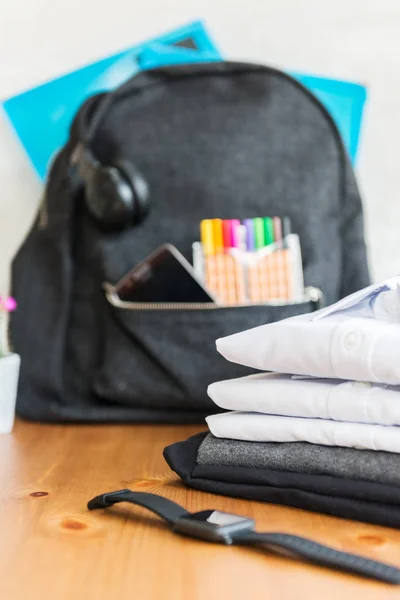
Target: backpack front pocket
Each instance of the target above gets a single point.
(164, 356)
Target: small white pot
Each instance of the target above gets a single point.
(9, 374)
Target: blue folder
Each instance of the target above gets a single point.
(42, 116)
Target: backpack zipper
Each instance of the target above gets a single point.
(311, 294)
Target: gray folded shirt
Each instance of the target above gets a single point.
(301, 457)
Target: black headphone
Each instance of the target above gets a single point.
(116, 194)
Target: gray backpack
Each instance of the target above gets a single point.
(212, 140)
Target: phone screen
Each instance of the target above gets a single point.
(165, 276)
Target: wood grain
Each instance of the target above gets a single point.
(52, 547)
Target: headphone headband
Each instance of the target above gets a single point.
(94, 110)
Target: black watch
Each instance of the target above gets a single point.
(225, 528)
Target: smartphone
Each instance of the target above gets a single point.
(164, 276)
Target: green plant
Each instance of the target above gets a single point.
(7, 305)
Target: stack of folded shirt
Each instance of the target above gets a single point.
(320, 430)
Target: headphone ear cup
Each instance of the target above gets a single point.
(139, 187)
(109, 198)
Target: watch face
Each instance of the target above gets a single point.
(217, 518)
(223, 518)
(214, 526)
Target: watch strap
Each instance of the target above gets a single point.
(164, 508)
(320, 554)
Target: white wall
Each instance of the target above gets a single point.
(353, 39)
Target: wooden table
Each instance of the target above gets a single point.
(52, 548)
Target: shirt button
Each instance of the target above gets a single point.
(351, 340)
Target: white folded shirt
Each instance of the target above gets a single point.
(279, 394)
(256, 427)
(356, 339)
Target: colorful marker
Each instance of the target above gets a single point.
(277, 230)
(268, 231)
(257, 275)
(286, 227)
(207, 237)
(262, 240)
(227, 234)
(240, 271)
(268, 262)
(279, 290)
(259, 233)
(288, 259)
(220, 260)
(210, 263)
(236, 233)
(229, 262)
(250, 235)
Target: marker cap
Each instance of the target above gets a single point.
(207, 236)
(218, 235)
(227, 234)
(277, 229)
(286, 226)
(235, 233)
(250, 235)
(268, 231)
(259, 232)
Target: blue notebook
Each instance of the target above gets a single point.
(42, 116)
(345, 101)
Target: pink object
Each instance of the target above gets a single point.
(277, 229)
(235, 232)
(8, 304)
(227, 234)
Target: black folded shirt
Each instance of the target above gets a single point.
(352, 499)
